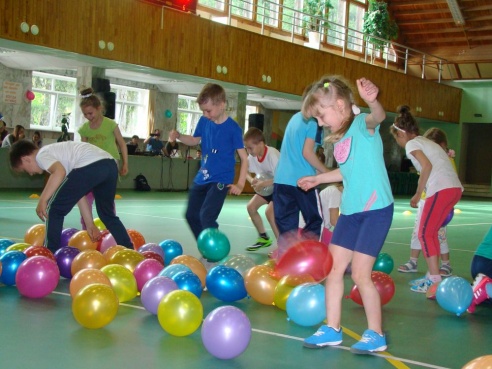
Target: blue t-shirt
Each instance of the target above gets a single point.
(219, 143)
(365, 179)
(292, 165)
(155, 145)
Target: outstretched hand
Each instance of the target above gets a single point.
(93, 232)
(368, 91)
(306, 183)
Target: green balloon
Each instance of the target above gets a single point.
(213, 244)
(384, 263)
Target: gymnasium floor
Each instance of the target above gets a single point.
(43, 334)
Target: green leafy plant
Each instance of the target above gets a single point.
(377, 22)
(316, 14)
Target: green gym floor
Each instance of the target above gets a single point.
(43, 333)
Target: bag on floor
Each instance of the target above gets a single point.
(141, 183)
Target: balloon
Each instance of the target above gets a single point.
(21, 246)
(260, 285)
(482, 362)
(171, 249)
(64, 258)
(95, 306)
(306, 304)
(152, 247)
(99, 224)
(86, 277)
(226, 284)
(448, 218)
(66, 234)
(30, 95)
(37, 277)
(4, 244)
(180, 313)
(108, 254)
(226, 332)
(271, 263)
(0, 268)
(82, 241)
(189, 281)
(122, 280)
(153, 255)
(384, 284)
(454, 294)
(137, 238)
(107, 242)
(171, 270)
(194, 264)
(241, 263)
(154, 291)
(88, 259)
(306, 257)
(145, 271)
(213, 244)
(265, 191)
(11, 261)
(285, 286)
(35, 235)
(39, 251)
(128, 258)
(384, 263)
(168, 113)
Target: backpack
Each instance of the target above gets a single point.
(141, 183)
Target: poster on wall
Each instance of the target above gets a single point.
(12, 92)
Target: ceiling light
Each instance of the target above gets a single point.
(456, 12)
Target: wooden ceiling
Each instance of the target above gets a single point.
(428, 26)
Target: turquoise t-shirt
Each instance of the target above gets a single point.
(485, 248)
(291, 164)
(365, 179)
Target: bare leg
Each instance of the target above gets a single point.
(271, 218)
(253, 205)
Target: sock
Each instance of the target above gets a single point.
(445, 262)
(415, 260)
(435, 278)
(264, 235)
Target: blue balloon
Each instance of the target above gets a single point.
(10, 263)
(171, 249)
(226, 283)
(306, 304)
(171, 270)
(449, 217)
(4, 243)
(454, 294)
(188, 281)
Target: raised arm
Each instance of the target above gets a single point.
(368, 91)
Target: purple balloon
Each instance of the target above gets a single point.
(146, 270)
(154, 291)
(226, 332)
(66, 234)
(151, 247)
(449, 217)
(64, 257)
(37, 277)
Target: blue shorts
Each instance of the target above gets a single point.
(268, 198)
(363, 232)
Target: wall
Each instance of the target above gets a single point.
(16, 113)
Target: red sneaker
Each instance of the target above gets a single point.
(479, 291)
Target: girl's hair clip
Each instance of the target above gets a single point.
(355, 109)
(326, 84)
(86, 96)
(398, 128)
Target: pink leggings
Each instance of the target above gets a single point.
(90, 200)
(436, 209)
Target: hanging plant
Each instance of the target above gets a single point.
(377, 22)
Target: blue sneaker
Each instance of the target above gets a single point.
(324, 336)
(422, 287)
(370, 342)
(416, 282)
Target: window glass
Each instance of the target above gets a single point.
(131, 111)
(336, 16)
(268, 12)
(355, 24)
(214, 4)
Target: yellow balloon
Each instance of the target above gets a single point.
(260, 285)
(285, 286)
(482, 362)
(95, 306)
(99, 224)
(194, 264)
(270, 263)
(180, 313)
(88, 259)
(21, 246)
(128, 258)
(123, 282)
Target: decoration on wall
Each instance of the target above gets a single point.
(12, 92)
(30, 95)
(168, 113)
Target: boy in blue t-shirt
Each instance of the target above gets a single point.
(219, 137)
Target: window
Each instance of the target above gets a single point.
(268, 12)
(55, 96)
(131, 112)
(188, 114)
(355, 23)
(214, 4)
(336, 16)
(242, 8)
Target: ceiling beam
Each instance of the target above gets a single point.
(434, 31)
(425, 21)
(393, 4)
(411, 12)
(475, 8)
(450, 41)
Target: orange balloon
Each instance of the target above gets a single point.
(482, 362)
(137, 238)
(108, 254)
(88, 259)
(86, 277)
(127, 258)
(270, 263)
(260, 285)
(35, 235)
(82, 241)
(194, 264)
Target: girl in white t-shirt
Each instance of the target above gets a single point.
(440, 182)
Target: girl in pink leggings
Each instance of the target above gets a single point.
(442, 186)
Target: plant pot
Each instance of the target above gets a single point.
(314, 40)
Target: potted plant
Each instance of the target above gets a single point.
(315, 18)
(378, 23)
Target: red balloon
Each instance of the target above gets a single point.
(153, 255)
(384, 284)
(39, 251)
(306, 257)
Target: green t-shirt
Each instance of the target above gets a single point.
(485, 248)
(102, 137)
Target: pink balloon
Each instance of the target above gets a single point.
(146, 270)
(37, 277)
(107, 242)
(30, 95)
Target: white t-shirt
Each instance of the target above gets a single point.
(70, 154)
(331, 197)
(442, 175)
(267, 164)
